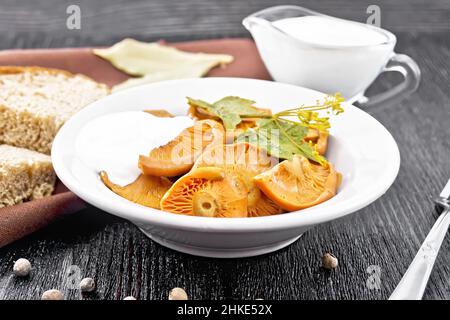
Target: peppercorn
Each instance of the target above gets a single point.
(22, 267)
(329, 261)
(178, 294)
(87, 285)
(129, 298)
(52, 294)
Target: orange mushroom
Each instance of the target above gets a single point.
(207, 192)
(322, 143)
(244, 161)
(145, 190)
(199, 113)
(319, 139)
(298, 183)
(178, 156)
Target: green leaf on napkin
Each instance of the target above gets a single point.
(156, 62)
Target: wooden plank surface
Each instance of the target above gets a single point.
(385, 235)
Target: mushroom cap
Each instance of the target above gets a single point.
(245, 161)
(199, 113)
(207, 192)
(178, 156)
(299, 183)
(145, 190)
(319, 139)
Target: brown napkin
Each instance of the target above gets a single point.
(23, 219)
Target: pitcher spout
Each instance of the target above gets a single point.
(252, 21)
(266, 17)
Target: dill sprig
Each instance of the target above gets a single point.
(308, 116)
(292, 124)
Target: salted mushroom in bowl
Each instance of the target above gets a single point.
(357, 146)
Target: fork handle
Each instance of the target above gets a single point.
(414, 281)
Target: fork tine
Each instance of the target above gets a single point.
(446, 191)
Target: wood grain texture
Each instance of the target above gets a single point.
(31, 23)
(385, 234)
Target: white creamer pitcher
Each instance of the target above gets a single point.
(309, 49)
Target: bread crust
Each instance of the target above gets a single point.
(28, 128)
(53, 71)
(24, 175)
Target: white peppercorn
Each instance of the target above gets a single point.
(52, 294)
(178, 294)
(129, 298)
(22, 267)
(329, 261)
(87, 285)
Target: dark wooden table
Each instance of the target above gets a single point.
(384, 235)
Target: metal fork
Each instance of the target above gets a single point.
(414, 281)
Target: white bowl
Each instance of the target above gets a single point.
(360, 148)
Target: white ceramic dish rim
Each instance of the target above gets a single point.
(290, 220)
(391, 39)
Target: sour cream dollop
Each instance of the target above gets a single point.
(113, 142)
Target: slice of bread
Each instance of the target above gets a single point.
(35, 102)
(24, 175)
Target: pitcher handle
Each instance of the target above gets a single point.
(411, 74)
